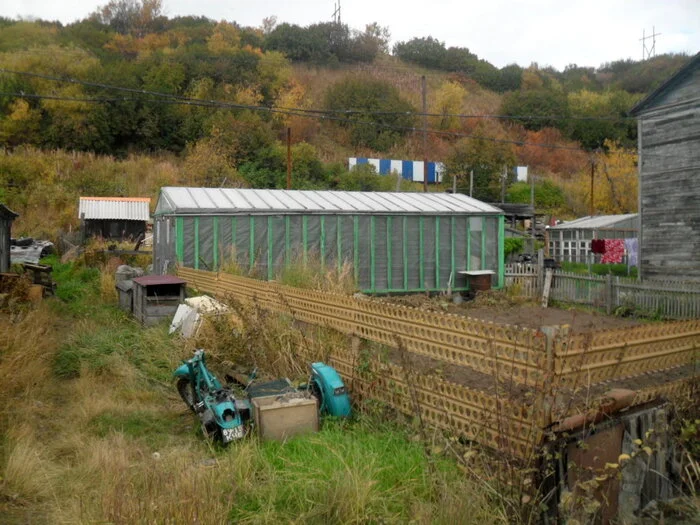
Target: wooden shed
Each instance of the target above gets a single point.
(7, 216)
(118, 218)
(669, 177)
(156, 297)
(570, 241)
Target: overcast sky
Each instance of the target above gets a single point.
(549, 32)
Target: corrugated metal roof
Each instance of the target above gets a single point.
(211, 201)
(7, 213)
(595, 222)
(124, 208)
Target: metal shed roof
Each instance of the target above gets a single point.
(123, 208)
(7, 213)
(596, 222)
(230, 201)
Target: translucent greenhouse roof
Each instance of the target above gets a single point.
(595, 222)
(227, 201)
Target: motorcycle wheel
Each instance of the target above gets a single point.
(184, 388)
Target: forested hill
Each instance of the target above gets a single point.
(219, 97)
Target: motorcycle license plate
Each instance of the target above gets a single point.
(232, 433)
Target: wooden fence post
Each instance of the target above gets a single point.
(609, 294)
(540, 272)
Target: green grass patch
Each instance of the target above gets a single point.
(347, 473)
(156, 429)
(619, 270)
(103, 350)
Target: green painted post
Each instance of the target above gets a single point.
(215, 220)
(469, 244)
(179, 241)
(270, 272)
(452, 251)
(437, 252)
(339, 241)
(305, 235)
(323, 242)
(501, 251)
(421, 261)
(251, 247)
(196, 243)
(483, 243)
(389, 231)
(287, 255)
(356, 248)
(234, 248)
(372, 241)
(405, 252)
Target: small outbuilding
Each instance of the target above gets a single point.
(7, 217)
(117, 218)
(668, 130)
(156, 297)
(394, 242)
(571, 241)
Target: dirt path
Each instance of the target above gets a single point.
(499, 308)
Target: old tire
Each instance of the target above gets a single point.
(184, 388)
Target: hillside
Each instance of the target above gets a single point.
(208, 103)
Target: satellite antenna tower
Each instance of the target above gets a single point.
(648, 52)
(336, 12)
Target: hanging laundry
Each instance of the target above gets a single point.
(598, 246)
(614, 251)
(632, 247)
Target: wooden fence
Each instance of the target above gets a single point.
(665, 299)
(533, 359)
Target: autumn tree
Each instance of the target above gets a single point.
(448, 103)
(614, 186)
(485, 155)
(381, 116)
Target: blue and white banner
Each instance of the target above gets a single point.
(408, 169)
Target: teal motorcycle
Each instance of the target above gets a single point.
(214, 404)
(226, 419)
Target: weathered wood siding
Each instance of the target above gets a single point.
(670, 182)
(5, 225)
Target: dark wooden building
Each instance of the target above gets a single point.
(669, 177)
(7, 216)
(118, 218)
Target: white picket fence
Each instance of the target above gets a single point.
(667, 299)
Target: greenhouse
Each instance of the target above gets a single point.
(394, 242)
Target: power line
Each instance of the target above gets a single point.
(223, 105)
(307, 110)
(300, 112)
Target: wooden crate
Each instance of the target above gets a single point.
(281, 417)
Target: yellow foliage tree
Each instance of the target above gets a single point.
(21, 125)
(448, 102)
(225, 37)
(614, 184)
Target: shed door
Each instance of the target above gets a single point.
(4, 246)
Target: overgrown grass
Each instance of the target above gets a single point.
(95, 432)
(310, 273)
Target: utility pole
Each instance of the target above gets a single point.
(425, 133)
(647, 53)
(471, 183)
(503, 183)
(591, 208)
(532, 204)
(289, 158)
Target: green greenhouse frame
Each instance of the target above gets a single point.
(396, 243)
